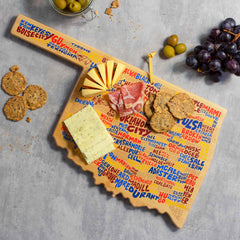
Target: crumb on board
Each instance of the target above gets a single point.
(108, 11)
(115, 4)
(28, 119)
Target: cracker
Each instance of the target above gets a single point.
(161, 100)
(181, 106)
(35, 96)
(15, 108)
(148, 106)
(162, 122)
(14, 82)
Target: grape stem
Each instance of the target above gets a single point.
(236, 35)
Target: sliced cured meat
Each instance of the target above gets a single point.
(132, 93)
(128, 99)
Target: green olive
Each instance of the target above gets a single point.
(173, 40)
(180, 48)
(61, 4)
(75, 6)
(69, 1)
(84, 3)
(168, 51)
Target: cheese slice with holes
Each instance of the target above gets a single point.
(88, 83)
(103, 72)
(119, 69)
(89, 134)
(95, 76)
(110, 66)
(87, 92)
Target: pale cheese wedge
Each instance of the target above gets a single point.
(110, 66)
(88, 83)
(119, 69)
(87, 92)
(103, 72)
(95, 76)
(90, 134)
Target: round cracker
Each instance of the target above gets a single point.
(148, 106)
(161, 100)
(181, 106)
(13, 83)
(35, 96)
(162, 121)
(15, 108)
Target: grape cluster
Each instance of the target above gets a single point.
(219, 53)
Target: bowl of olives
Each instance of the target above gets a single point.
(71, 8)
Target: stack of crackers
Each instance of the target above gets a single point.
(163, 110)
(33, 97)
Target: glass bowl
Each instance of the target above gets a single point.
(67, 13)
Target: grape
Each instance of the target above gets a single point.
(210, 47)
(237, 57)
(215, 76)
(192, 62)
(215, 65)
(236, 29)
(228, 24)
(232, 65)
(237, 73)
(204, 56)
(197, 49)
(231, 48)
(238, 43)
(231, 21)
(225, 37)
(214, 34)
(221, 55)
(204, 68)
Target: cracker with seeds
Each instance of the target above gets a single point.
(14, 82)
(35, 96)
(148, 106)
(161, 100)
(181, 106)
(15, 108)
(162, 122)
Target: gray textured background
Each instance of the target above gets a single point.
(43, 195)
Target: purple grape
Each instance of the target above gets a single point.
(237, 73)
(236, 29)
(231, 48)
(215, 65)
(232, 65)
(228, 24)
(225, 37)
(210, 47)
(192, 62)
(214, 34)
(204, 68)
(238, 43)
(197, 49)
(204, 56)
(237, 57)
(221, 55)
(215, 76)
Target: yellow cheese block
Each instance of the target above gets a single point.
(95, 76)
(87, 92)
(119, 69)
(103, 72)
(88, 83)
(90, 134)
(110, 66)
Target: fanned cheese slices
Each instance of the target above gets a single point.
(99, 79)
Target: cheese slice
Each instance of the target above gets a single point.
(95, 76)
(87, 92)
(90, 134)
(102, 69)
(110, 66)
(119, 69)
(88, 83)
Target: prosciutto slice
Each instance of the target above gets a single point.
(128, 99)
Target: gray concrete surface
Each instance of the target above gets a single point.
(43, 195)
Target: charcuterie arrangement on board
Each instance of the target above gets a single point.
(150, 141)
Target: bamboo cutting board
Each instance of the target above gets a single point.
(157, 171)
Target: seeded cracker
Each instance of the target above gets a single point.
(14, 82)
(148, 106)
(35, 96)
(15, 108)
(181, 106)
(162, 121)
(161, 100)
